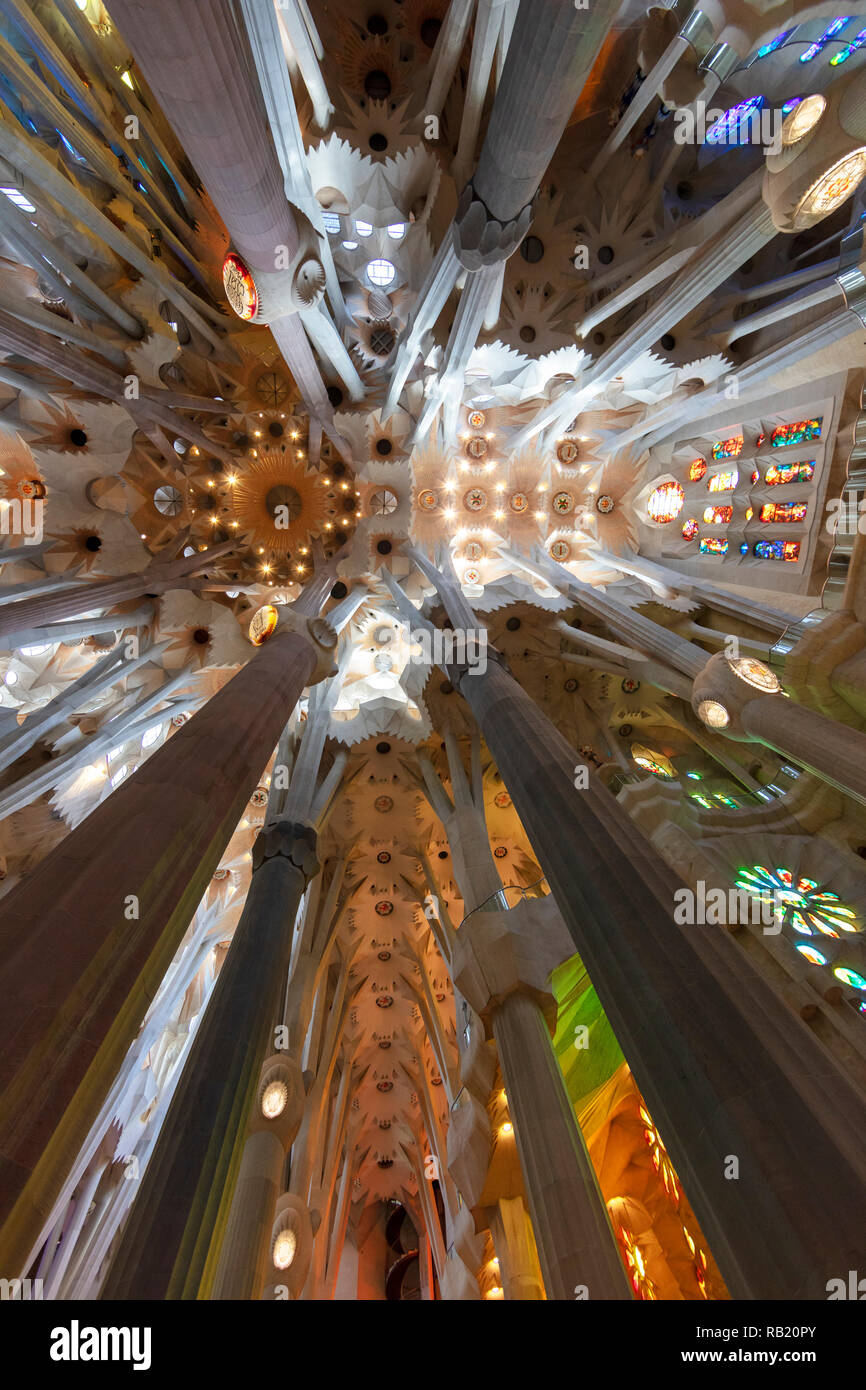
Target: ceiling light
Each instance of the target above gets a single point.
(803, 118)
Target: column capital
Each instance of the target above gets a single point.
(501, 953)
(288, 840)
(480, 239)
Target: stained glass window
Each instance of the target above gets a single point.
(830, 32)
(779, 473)
(713, 545)
(735, 126)
(723, 482)
(665, 502)
(728, 448)
(656, 763)
(802, 903)
(852, 47)
(690, 529)
(777, 550)
(660, 1160)
(773, 44)
(697, 469)
(797, 433)
(701, 800)
(718, 516)
(636, 1265)
(850, 977)
(784, 511)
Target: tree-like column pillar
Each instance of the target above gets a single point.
(88, 937)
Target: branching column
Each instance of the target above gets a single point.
(87, 938)
(726, 1071)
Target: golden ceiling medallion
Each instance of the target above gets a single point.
(280, 504)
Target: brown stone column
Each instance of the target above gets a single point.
(87, 938)
(727, 1072)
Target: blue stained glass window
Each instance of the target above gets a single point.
(852, 47)
(734, 127)
(829, 33)
(773, 44)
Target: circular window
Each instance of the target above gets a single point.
(384, 908)
(690, 529)
(428, 501)
(563, 503)
(665, 502)
(532, 250)
(477, 446)
(475, 500)
(567, 451)
(384, 502)
(168, 500)
(384, 803)
(518, 502)
(477, 419)
(605, 504)
(380, 272)
(382, 340)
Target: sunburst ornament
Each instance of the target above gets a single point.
(280, 504)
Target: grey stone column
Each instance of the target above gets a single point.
(168, 1240)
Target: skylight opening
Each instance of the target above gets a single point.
(17, 197)
(380, 273)
(363, 228)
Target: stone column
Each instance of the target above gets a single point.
(726, 1070)
(502, 963)
(740, 709)
(183, 1202)
(86, 940)
(516, 1251)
